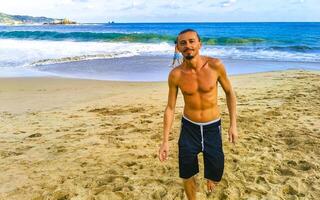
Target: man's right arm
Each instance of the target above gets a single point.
(169, 115)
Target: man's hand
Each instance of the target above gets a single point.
(233, 134)
(164, 151)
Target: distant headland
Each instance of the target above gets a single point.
(7, 19)
(60, 21)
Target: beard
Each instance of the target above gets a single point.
(189, 57)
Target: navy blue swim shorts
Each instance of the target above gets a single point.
(201, 137)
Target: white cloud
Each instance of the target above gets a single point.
(228, 3)
(81, 1)
(166, 10)
(172, 5)
(298, 1)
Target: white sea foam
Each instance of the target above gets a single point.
(21, 57)
(16, 53)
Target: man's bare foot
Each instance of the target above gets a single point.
(211, 185)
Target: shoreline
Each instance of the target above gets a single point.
(162, 81)
(144, 68)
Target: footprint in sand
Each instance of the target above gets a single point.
(274, 179)
(74, 116)
(117, 179)
(105, 111)
(130, 163)
(146, 121)
(5, 154)
(284, 172)
(105, 181)
(155, 136)
(263, 183)
(291, 142)
(142, 156)
(159, 193)
(124, 188)
(105, 124)
(126, 125)
(57, 149)
(304, 165)
(289, 190)
(81, 130)
(112, 172)
(62, 130)
(33, 113)
(292, 163)
(144, 116)
(249, 178)
(119, 111)
(24, 148)
(118, 184)
(61, 195)
(35, 135)
(131, 146)
(232, 192)
(137, 110)
(140, 130)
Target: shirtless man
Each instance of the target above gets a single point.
(197, 78)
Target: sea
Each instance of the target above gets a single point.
(144, 51)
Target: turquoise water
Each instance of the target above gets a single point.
(27, 47)
(287, 36)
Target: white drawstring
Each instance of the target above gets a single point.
(201, 124)
(202, 143)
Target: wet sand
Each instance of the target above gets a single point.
(85, 139)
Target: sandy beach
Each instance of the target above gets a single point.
(86, 139)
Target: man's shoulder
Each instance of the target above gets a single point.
(176, 71)
(174, 74)
(214, 62)
(217, 65)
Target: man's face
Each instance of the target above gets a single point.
(189, 45)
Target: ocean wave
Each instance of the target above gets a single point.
(299, 48)
(15, 53)
(265, 54)
(154, 38)
(80, 58)
(87, 36)
(221, 52)
(232, 41)
(120, 37)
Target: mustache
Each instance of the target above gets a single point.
(187, 49)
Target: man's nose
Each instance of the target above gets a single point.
(188, 44)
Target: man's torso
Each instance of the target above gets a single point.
(200, 91)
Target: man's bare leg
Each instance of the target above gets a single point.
(211, 185)
(190, 187)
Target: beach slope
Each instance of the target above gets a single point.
(86, 139)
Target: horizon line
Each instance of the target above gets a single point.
(203, 22)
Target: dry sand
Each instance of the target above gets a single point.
(85, 139)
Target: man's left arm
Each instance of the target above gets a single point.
(231, 100)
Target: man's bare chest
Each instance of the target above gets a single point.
(203, 82)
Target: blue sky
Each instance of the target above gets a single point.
(168, 10)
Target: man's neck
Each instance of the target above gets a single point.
(194, 63)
